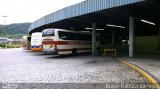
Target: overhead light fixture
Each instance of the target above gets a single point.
(121, 27)
(99, 29)
(116, 26)
(92, 28)
(110, 25)
(145, 21)
(88, 28)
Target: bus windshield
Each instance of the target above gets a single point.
(36, 39)
(48, 32)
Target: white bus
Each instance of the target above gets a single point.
(62, 42)
(26, 42)
(36, 41)
(3, 40)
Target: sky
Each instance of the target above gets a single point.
(20, 11)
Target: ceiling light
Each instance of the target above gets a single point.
(88, 28)
(120, 27)
(92, 28)
(110, 25)
(116, 26)
(99, 29)
(145, 21)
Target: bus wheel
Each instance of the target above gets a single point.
(74, 52)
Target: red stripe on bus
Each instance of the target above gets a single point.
(71, 49)
(65, 42)
(55, 42)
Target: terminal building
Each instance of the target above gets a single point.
(131, 26)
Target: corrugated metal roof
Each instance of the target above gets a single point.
(82, 8)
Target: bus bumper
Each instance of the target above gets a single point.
(36, 49)
(50, 51)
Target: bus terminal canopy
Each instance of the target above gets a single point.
(101, 12)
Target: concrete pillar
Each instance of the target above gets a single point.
(94, 39)
(131, 36)
(157, 27)
(159, 36)
(113, 38)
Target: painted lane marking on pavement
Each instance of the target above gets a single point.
(143, 73)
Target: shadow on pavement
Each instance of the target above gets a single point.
(70, 56)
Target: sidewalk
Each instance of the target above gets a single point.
(149, 63)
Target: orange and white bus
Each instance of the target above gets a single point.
(62, 42)
(26, 42)
(36, 41)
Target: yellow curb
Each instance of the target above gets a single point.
(143, 73)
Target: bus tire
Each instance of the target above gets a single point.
(74, 52)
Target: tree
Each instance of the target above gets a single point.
(2, 31)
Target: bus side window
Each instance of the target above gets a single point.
(62, 35)
(69, 36)
(75, 36)
(65, 35)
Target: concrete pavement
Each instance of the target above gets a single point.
(20, 66)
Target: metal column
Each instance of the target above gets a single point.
(131, 36)
(113, 38)
(94, 39)
(159, 35)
